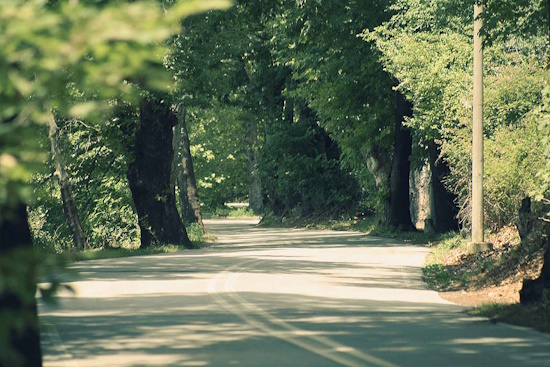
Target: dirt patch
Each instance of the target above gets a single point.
(508, 294)
(491, 277)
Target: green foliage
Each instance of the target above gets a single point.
(505, 18)
(229, 212)
(542, 193)
(513, 145)
(512, 161)
(427, 47)
(98, 179)
(437, 273)
(219, 156)
(301, 164)
(74, 58)
(341, 79)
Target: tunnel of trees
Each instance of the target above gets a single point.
(303, 108)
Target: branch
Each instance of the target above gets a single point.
(86, 125)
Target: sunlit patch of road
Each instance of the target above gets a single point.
(273, 297)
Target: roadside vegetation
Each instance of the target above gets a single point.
(310, 111)
(489, 283)
(229, 211)
(198, 238)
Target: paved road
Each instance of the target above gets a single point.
(274, 297)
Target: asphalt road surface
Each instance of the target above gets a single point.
(274, 297)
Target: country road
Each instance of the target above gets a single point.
(274, 297)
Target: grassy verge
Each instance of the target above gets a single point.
(437, 272)
(198, 239)
(369, 225)
(227, 211)
(449, 269)
(535, 316)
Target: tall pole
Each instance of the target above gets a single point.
(478, 241)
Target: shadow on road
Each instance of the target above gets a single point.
(178, 309)
(172, 330)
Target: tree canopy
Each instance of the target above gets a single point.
(304, 108)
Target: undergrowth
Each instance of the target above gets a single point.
(194, 232)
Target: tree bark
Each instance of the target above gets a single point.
(18, 305)
(538, 289)
(149, 176)
(255, 196)
(399, 215)
(186, 211)
(80, 240)
(444, 206)
(188, 170)
(535, 232)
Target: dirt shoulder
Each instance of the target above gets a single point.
(489, 282)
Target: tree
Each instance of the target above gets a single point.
(187, 184)
(357, 106)
(149, 175)
(255, 192)
(46, 49)
(80, 240)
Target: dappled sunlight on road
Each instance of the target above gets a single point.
(329, 299)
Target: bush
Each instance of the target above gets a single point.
(514, 153)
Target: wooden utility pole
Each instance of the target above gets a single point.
(478, 243)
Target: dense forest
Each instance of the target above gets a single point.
(119, 132)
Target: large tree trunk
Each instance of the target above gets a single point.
(399, 214)
(444, 207)
(18, 309)
(538, 289)
(255, 196)
(149, 177)
(80, 240)
(535, 233)
(188, 170)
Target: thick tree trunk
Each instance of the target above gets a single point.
(535, 232)
(399, 214)
(444, 207)
(80, 240)
(188, 170)
(538, 289)
(18, 303)
(255, 196)
(149, 177)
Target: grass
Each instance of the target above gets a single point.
(228, 212)
(448, 268)
(369, 225)
(194, 232)
(536, 316)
